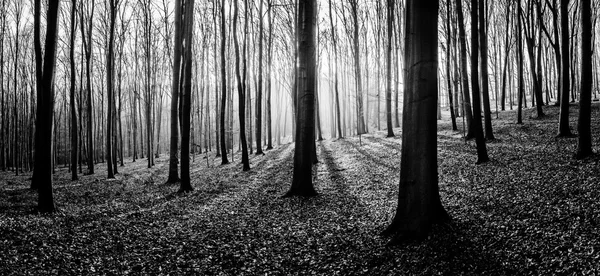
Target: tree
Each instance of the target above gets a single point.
(302, 184)
(173, 172)
(419, 204)
(186, 96)
(259, 91)
(45, 103)
(563, 122)
(468, 113)
(72, 96)
(87, 45)
(388, 66)
(110, 87)
(584, 145)
(224, 159)
(521, 93)
(487, 113)
(241, 92)
(336, 82)
(357, 74)
(482, 155)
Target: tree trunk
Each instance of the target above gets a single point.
(224, 159)
(482, 155)
(72, 96)
(487, 112)
(584, 143)
(449, 46)
(240, 87)
(173, 161)
(186, 186)
(419, 204)
(468, 113)
(521, 92)
(302, 184)
(388, 66)
(563, 123)
(336, 81)
(110, 88)
(45, 103)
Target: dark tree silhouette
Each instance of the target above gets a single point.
(302, 184)
(584, 145)
(482, 155)
(419, 205)
(188, 31)
(563, 122)
(45, 103)
(173, 144)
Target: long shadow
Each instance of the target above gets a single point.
(370, 156)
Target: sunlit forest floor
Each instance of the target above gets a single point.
(532, 210)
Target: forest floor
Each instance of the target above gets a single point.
(532, 210)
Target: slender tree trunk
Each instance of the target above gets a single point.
(520, 93)
(110, 88)
(240, 88)
(482, 155)
(72, 96)
(336, 81)
(224, 159)
(449, 46)
(487, 112)
(388, 66)
(260, 81)
(468, 113)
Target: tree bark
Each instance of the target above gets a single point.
(173, 146)
(584, 145)
(487, 112)
(482, 155)
(336, 81)
(185, 185)
(224, 159)
(45, 103)
(72, 96)
(241, 92)
(563, 123)
(388, 66)
(468, 112)
(419, 204)
(302, 184)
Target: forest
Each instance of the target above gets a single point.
(299, 137)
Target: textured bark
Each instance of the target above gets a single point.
(485, 92)
(302, 184)
(173, 145)
(419, 204)
(185, 185)
(110, 88)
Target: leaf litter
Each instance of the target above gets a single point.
(532, 210)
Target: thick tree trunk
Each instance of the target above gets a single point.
(173, 146)
(186, 186)
(419, 205)
(563, 123)
(584, 143)
(302, 184)
(45, 103)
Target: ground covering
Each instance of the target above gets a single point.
(532, 210)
